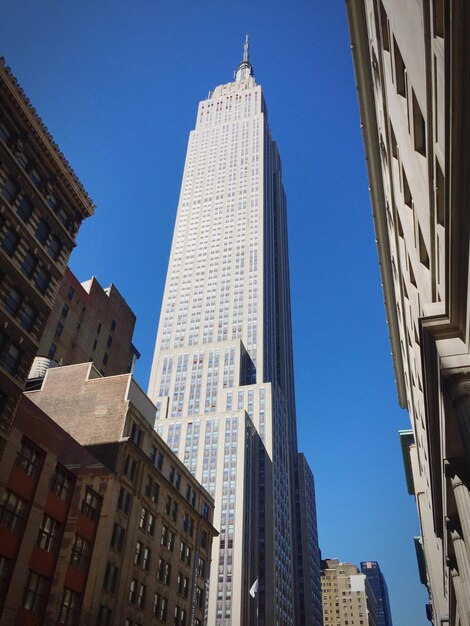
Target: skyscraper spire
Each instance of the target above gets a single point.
(246, 48)
(245, 69)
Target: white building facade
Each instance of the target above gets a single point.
(222, 374)
(412, 63)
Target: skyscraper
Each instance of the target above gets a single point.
(376, 579)
(222, 374)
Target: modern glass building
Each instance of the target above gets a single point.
(377, 582)
(222, 374)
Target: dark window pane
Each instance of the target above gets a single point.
(10, 190)
(42, 231)
(29, 264)
(10, 242)
(25, 209)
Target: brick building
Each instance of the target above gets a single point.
(102, 525)
(89, 323)
(42, 204)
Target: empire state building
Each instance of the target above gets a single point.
(222, 373)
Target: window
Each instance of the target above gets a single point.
(160, 607)
(110, 341)
(130, 466)
(143, 518)
(384, 28)
(13, 301)
(70, 607)
(139, 548)
(180, 617)
(205, 510)
(400, 70)
(105, 358)
(42, 231)
(152, 489)
(25, 209)
(151, 524)
(133, 591)
(81, 551)
(141, 596)
(104, 616)
(201, 567)
(55, 247)
(419, 127)
(117, 538)
(124, 501)
(29, 264)
(10, 358)
(164, 571)
(110, 577)
(136, 434)
(28, 316)
(35, 592)
(29, 457)
(167, 538)
(188, 524)
(10, 242)
(62, 483)
(171, 508)
(199, 597)
(185, 553)
(203, 539)
(52, 351)
(10, 190)
(113, 325)
(91, 504)
(49, 534)
(12, 511)
(42, 279)
(70, 293)
(182, 585)
(35, 177)
(159, 463)
(59, 329)
(65, 310)
(5, 576)
(147, 558)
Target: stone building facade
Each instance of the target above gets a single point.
(412, 62)
(42, 204)
(89, 323)
(102, 526)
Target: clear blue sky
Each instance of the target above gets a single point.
(117, 83)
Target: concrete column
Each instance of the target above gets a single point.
(462, 500)
(463, 565)
(457, 389)
(461, 598)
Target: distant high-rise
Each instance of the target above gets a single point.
(348, 598)
(222, 375)
(377, 582)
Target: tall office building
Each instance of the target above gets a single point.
(376, 579)
(222, 374)
(412, 62)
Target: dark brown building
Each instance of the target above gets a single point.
(89, 323)
(117, 532)
(42, 204)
